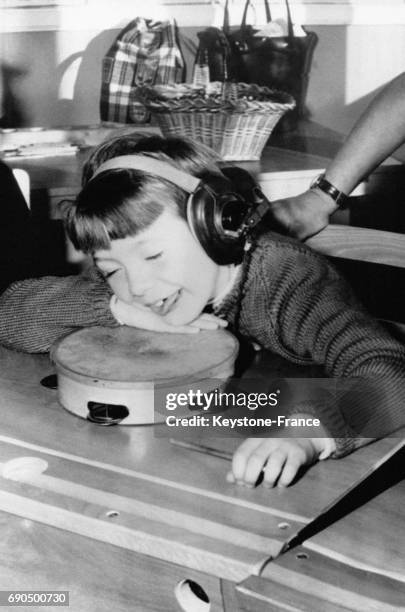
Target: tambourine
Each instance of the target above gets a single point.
(123, 375)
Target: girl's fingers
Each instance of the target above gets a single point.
(241, 457)
(291, 467)
(279, 459)
(209, 322)
(142, 317)
(207, 325)
(230, 477)
(257, 461)
(209, 316)
(181, 329)
(274, 467)
(286, 461)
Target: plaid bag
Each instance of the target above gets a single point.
(146, 52)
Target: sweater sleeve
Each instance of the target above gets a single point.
(315, 318)
(34, 313)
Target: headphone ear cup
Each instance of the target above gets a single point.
(215, 213)
(242, 182)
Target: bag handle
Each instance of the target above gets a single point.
(290, 27)
(226, 26)
(245, 10)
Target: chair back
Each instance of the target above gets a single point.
(373, 261)
(361, 244)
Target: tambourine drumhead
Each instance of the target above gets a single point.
(125, 367)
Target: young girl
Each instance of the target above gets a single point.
(38, 304)
(161, 256)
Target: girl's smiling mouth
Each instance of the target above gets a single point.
(164, 305)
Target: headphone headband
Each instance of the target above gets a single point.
(154, 166)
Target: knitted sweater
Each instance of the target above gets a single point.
(293, 302)
(34, 313)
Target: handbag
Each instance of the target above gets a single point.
(145, 52)
(281, 62)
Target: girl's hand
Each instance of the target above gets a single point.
(144, 318)
(278, 458)
(208, 321)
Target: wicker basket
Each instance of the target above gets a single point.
(234, 119)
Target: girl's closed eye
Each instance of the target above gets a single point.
(108, 273)
(155, 256)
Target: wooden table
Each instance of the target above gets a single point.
(119, 517)
(287, 167)
(281, 171)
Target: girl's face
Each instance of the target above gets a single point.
(163, 268)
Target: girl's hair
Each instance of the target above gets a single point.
(122, 202)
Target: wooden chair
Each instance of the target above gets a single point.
(361, 244)
(373, 262)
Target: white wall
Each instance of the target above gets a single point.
(57, 72)
(351, 63)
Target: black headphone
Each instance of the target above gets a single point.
(222, 209)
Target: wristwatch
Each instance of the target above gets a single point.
(324, 185)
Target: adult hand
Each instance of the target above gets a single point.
(304, 215)
(142, 317)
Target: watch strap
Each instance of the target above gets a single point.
(324, 185)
